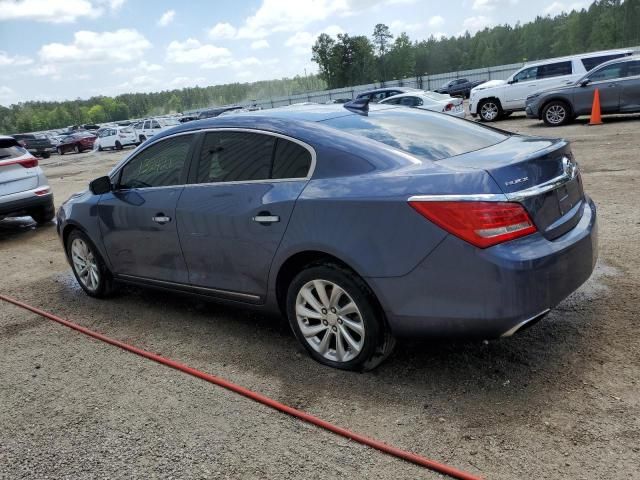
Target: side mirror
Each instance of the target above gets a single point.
(511, 82)
(100, 185)
(585, 82)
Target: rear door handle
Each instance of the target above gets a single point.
(266, 218)
(161, 219)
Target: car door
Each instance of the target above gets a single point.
(524, 83)
(107, 140)
(630, 93)
(607, 80)
(234, 215)
(138, 219)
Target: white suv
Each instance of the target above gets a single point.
(152, 126)
(497, 99)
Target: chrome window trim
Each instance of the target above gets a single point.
(473, 197)
(306, 146)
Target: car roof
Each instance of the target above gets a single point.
(578, 56)
(386, 89)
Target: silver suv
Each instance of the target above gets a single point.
(24, 189)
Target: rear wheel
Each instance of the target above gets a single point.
(335, 316)
(88, 267)
(60, 151)
(76, 148)
(556, 113)
(100, 148)
(46, 154)
(43, 215)
(142, 138)
(489, 110)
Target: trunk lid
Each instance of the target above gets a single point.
(540, 173)
(14, 177)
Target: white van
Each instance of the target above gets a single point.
(497, 99)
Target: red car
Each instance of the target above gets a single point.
(76, 142)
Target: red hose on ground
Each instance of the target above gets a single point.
(383, 447)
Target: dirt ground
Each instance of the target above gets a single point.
(560, 400)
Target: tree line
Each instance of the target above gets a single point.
(354, 60)
(348, 60)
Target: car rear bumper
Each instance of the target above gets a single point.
(20, 203)
(463, 291)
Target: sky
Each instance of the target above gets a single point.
(67, 49)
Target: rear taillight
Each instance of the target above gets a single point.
(448, 107)
(42, 191)
(482, 224)
(30, 162)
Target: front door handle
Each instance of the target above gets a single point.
(161, 218)
(266, 218)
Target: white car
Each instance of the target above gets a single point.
(497, 99)
(152, 126)
(24, 189)
(115, 137)
(437, 102)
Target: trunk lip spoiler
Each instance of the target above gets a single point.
(570, 172)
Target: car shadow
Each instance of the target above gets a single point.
(511, 375)
(20, 226)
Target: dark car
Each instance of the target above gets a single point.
(76, 142)
(618, 83)
(358, 227)
(379, 94)
(38, 145)
(459, 87)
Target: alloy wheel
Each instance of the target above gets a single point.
(489, 111)
(85, 264)
(556, 114)
(330, 320)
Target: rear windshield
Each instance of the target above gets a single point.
(10, 148)
(429, 135)
(126, 130)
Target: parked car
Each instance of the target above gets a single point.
(359, 228)
(24, 189)
(38, 145)
(152, 126)
(76, 142)
(380, 94)
(115, 138)
(214, 112)
(459, 87)
(618, 83)
(436, 102)
(498, 98)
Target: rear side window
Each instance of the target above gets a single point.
(592, 62)
(10, 148)
(424, 134)
(159, 165)
(291, 160)
(235, 157)
(554, 69)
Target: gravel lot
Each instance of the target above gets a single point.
(560, 400)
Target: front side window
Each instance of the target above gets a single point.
(607, 73)
(235, 157)
(554, 69)
(159, 165)
(526, 75)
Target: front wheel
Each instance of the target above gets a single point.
(118, 145)
(489, 110)
(88, 267)
(556, 113)
(335, 316)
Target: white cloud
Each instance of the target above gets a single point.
(44, 70)
(301, 42)
(182, 82)
(558, 7)
(192, 51)
(7, 95)
(122, 45)
(55, 11)
(436, 21)
(166, 18)
(474, 24)
(398, 26)
(143, 67)
(7, 60)
(259, 44)
(484, 5)
(222, 30)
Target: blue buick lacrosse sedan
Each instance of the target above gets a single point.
(361, 225)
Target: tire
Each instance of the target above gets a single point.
(60, 151)
(43, 215)
(489, 110)
(556, 113)
(76, 149)
(98, 281)
(46, 155)
(142, 138)
(118, 146)
(100, 149)
(367, 341)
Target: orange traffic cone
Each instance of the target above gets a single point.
(595, 119)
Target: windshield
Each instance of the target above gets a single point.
(424, 134)
(9, 148)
